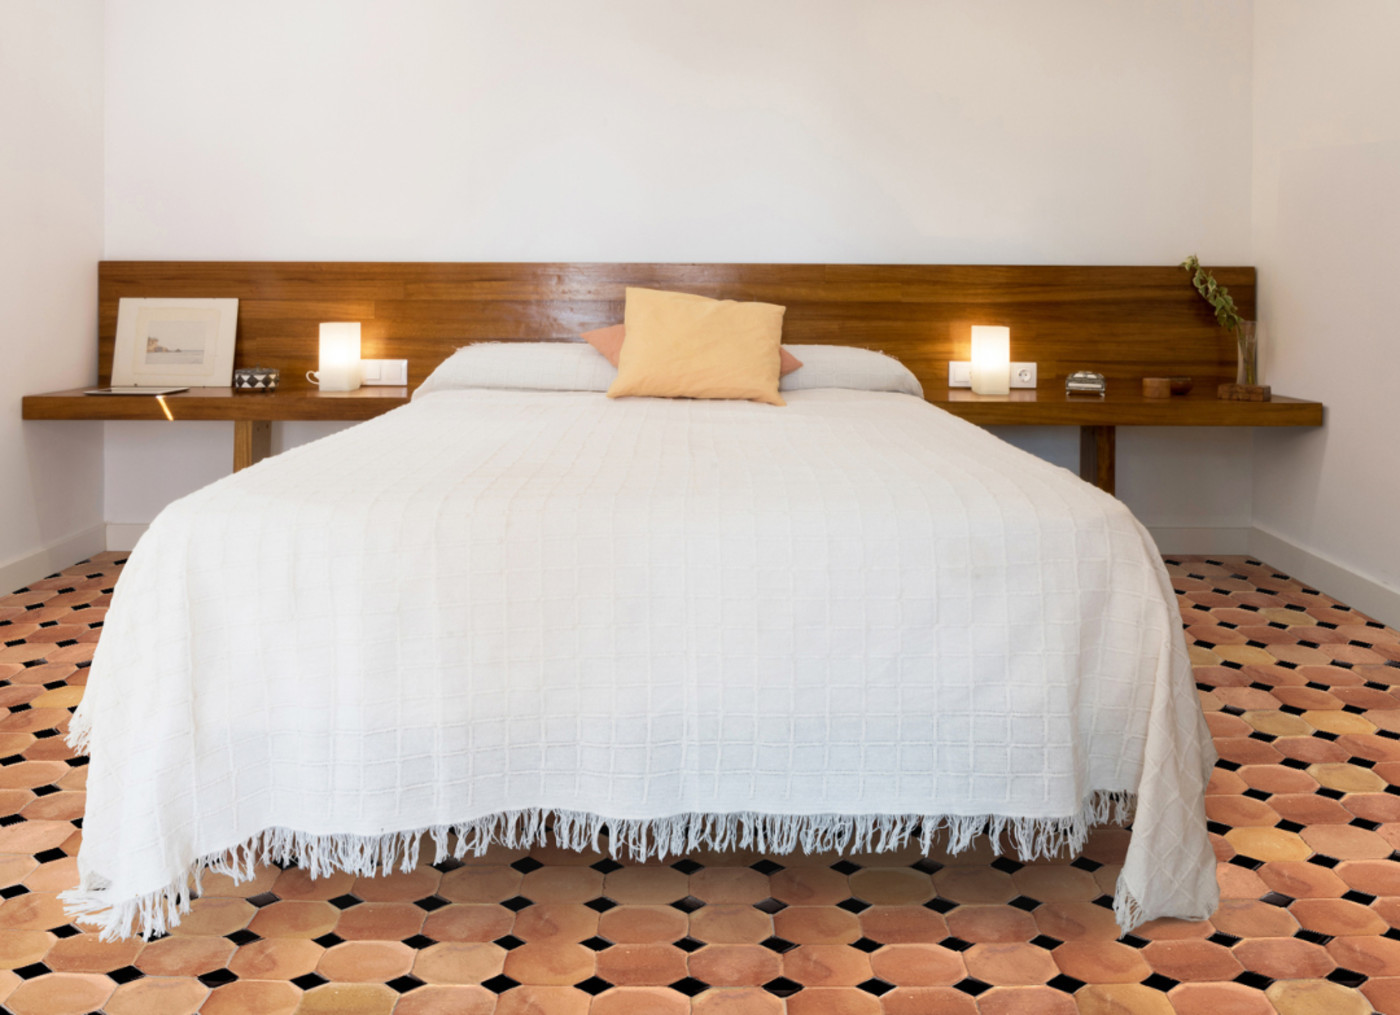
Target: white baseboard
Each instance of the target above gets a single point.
(123, 535)
(18, 573)
(1367, 594)
(1200, 540)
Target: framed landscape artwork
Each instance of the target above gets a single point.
(188, 342)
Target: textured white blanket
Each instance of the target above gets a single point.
(839, 623)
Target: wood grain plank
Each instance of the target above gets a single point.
(1127, 321)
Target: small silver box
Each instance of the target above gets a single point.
(1085, 382)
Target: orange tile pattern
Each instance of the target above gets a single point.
(1300, 693)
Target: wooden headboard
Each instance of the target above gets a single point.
(1127, 322)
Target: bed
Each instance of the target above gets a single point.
(515, 608)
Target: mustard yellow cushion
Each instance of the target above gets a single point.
(682, 346)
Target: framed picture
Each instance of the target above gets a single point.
(175, 341)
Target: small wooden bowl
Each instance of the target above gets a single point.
(1165, 387)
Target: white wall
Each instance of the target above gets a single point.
(50, 243)
(1014, 131)
(1327, 243)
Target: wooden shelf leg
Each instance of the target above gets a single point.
(252, 442)
(1096, 456)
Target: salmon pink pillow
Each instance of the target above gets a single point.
(608, 341)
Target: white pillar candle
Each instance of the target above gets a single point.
(340, 357)
(991, 360)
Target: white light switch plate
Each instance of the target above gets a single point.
(391, 372)
(1023, 375)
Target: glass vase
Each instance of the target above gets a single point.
(1247, 342)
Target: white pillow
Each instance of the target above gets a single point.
(577, 366)
(845, 366)
(527, 366)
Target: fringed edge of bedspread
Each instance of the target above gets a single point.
(155, 912)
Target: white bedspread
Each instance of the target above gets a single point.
(841, 622)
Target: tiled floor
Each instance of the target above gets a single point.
(1305, 814)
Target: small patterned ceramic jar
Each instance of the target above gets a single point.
(255, 379)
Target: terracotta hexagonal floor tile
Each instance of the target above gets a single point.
(297, 883)
(643, 924)
(833, 1001)
(1010, 964)
(737, 1001)
(892, 886)
(366, 961)
(646, 886)
(911, 965)
(22, 947)
(459, 962)
(1240, 811)
(484, 883)
(1379, 807)
(567, 922)
(1346, 842)
(827, 966)
(219, 885)
(444, 999)
(735, 965)
(739, 885)
(215, 916)
(1376, 877)
(975, 885)
(348, 999)
(86, 953)
(810, 886)
(1192, 960)
(1026, 1001)
(550, 964)
(469, 921)
(813, 925)
(294, 919)
(632, 1001)
(1268, 844)
(1101, 962)
(1337, 917)
(184, 956)
(1001, 924)
(903, 924)
(1374, 956)
(1316, 997)
(1277, 779)
(1284, 958)
(380, 921)
(277, 958)
(730, 924)
(1383, 993)
(1056, 883)
(60, 994)
(1219, 999)
(1121, 999)
(927, 1001)
(1302, 880)
(562, 884)
(253, 997)
(158, 995)
(1309, 809)
(1070, 921)
(648, 965)
(396, 886)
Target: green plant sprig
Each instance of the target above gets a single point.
(1215, 294)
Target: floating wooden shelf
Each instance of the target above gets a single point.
(1122, 408)
(219, 404)
(252, 413)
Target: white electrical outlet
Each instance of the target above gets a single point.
(1023, 375)
(391, 372)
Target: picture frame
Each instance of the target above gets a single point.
(165, 341)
